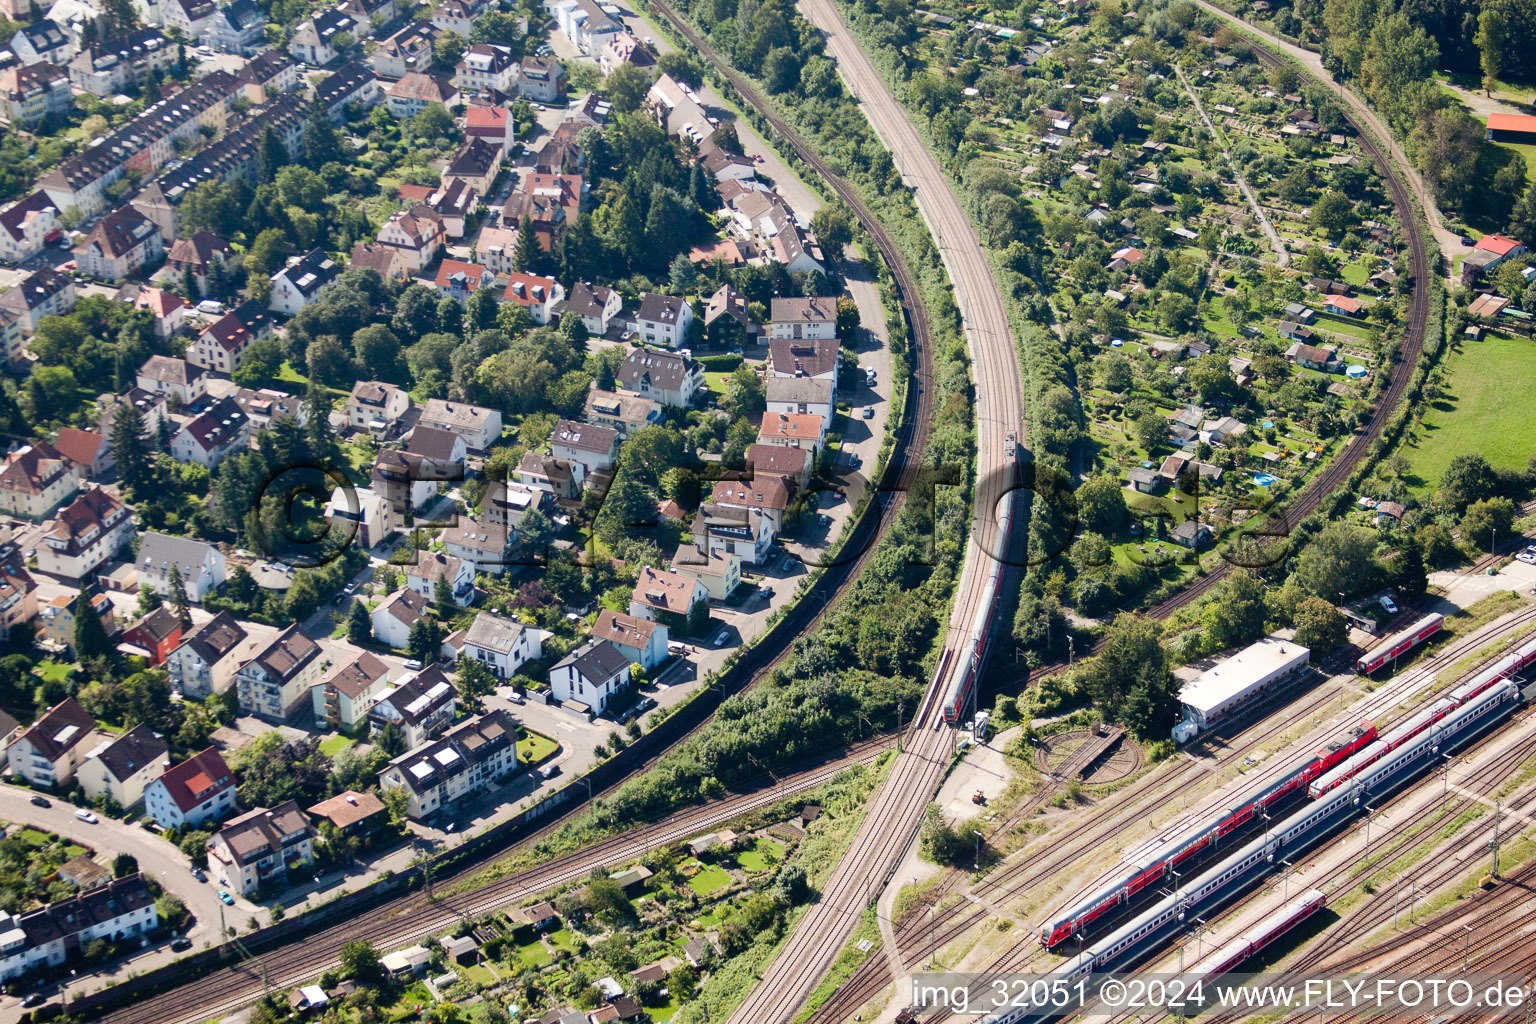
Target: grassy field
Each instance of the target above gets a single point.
(710, 880)
(52, 671)
(763, 855)
(535, 746)
(334, 745)
(1481, 415)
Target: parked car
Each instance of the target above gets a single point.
(226, 898)
(721, 637)
(31, 999)
(1528, 555)
(41, 801)
(869, 412)
(413, 664)
(86, 816)
(550, 770)
(1388, 604)
(181, 943)
(515, 697)
(200, 874)
(350, 588)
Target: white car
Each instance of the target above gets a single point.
(1528, 555)
(1388, 604)
(86, 816)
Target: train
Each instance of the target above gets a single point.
(1417, 723)
(1170, 853)
(1258, 937)
(958, 698)
(1400, 643)
(1295, 831)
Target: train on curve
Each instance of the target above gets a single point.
(1291, 835)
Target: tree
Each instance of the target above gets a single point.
(1487, 520)
(525, 253)
(448, 50)
(425, 640)
(698, 618)
(179, 602)
(1101, 506)
(744, 392)
(1490, 39)
(1131, 659)
(626, 86)
(1338, 560)
(495, 27)
(129, 447)
(442, 600)
(271, 156)
(1468, 478)
(1332, 214)
(1320, 626)
(683, 275)
(848, 320)
(1151, 430)
(1117, 374)
(90, 639)
(359, 960)
(359, 625)
(322, 143)
(1408, 571)
(124, 864)
(1237, 616)
(833, 227)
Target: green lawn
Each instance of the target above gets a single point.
(710, 880)
(1356, 273)
(481, 975)
(1483, 413)
(533, 955)
(535, 746)
(53, 671)
(716, 382)
(561, 939)
(763, 855)
(334, 745)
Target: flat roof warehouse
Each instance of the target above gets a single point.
(1237, 680)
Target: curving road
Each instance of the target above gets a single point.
(1363, 116)
(896, 811)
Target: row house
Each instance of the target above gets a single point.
(320, 39)
(144, 144)
(205, 663)
(199, 789)
(199, 564)
(84, 535)
(122, 244)
(276, 681)
(120, 911)
(26, 226)
(235, 156)
(120, 767)
(52, 748)
(302, 282)
(419, 90)
(343, 698)
(260, 847)
(36, 478)
(502, 645)
(409, 49)
(222, 345)
(122, 62)
(461, 763)
(213, 435)
(44, 292)
(34, 93)
(421, 705)
(352, 84)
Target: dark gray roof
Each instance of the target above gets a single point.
(597, 660)
(131, 751)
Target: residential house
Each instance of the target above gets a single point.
(457, 16)
(351, 812)
(793, 248)
(377, 407)
(199, 789)
(622, 412)
(454, 202)
(268, 405)
(549, 202)
(33, 93)
(58, 619)
(205, 663)
(259, 848)
(666, 597)
(120, 767)
(393, 618)
(85, 534)
(431, 566)
(363, 513)
(1191, 534)
(203, 253)
(120, 911)
(502, 645)
(727, 323)
(724, 164)
(595, 448)
(18, 604)
(484, 547)
(239, 26)
(409, 49)
(538, 295)
(36, 478)
(223, 344)
(344, 696)
(637, 639)
(802, 396)
(811, 358)
(719, 571)
(494, 249)
(403, 481)
(190, 16)
(792, 430)
(442, 453)
(52, 748)
(678, 110)
(268, 75)
(1314, 357)
(1343, 305)
(562, 154)
(809, 318)
(760, 491)
(476, 164)
(41, 293)
(663, 320)
(351, 88)
(541, 79)
(200, 564)
(668, 377)
(596, 305)
(421, 705)
(43, 40)
(458, 280)
(275, 682)
(213, 435)
(153, 636)
(381, 259)
(586, 25)
(302, 282)
(1217, 431)
(461, 763)
(168, 309)
(491, 69)
(479, 427)
(767, 460)
(320, 39)
(560, 477)
(589, 677)
(624, 49)
(745, 533)
(418, 90)
(178, 380)
(26, 226)
(417, 234)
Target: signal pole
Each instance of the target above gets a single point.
(1493, 844)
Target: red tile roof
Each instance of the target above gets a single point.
(197, 778)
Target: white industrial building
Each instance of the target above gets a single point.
(1240, 679)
